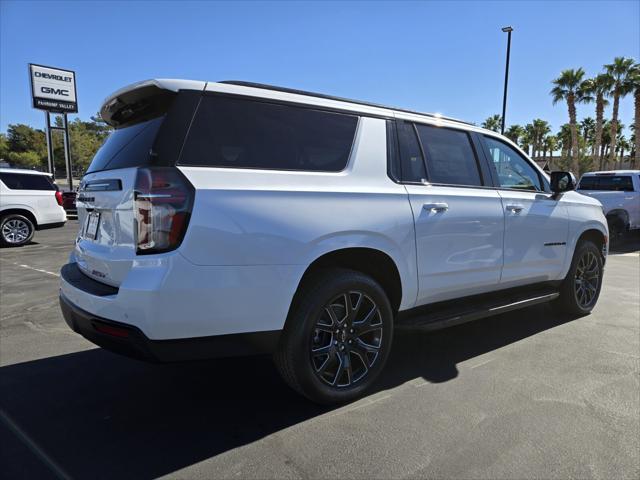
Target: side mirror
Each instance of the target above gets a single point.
(562, 182)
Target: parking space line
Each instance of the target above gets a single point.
(31, 445)
(31, 268)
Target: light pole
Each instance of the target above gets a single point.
(506, 78)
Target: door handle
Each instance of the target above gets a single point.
(436, 207)
(514, 208)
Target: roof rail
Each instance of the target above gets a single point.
(340, 99)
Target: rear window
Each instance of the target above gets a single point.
(612, 183)
(26, 181)
(127, 147)
(241, 133)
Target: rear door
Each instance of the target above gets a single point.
(536, 224)
(106, 247)
(459, 222)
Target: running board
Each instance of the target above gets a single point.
(448, 314)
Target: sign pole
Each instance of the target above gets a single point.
(50, 163)
(67, 152)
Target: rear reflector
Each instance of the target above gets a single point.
(163, 199)
(111, 330)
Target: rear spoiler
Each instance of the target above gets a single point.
(143, 100)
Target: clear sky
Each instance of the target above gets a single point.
(433, 56)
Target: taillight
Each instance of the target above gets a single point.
(59, 197)
(163, 198)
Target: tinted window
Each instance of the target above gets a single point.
(393, 159)
(412, 163)
(513, 170)
(615, 183)
(127, 147)
(450, 157)
(26, 181)
(239, 133)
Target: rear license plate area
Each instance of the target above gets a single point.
(91, 229)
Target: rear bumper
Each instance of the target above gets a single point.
(166, 297)
(130, 341)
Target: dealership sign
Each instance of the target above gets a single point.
(53, 89)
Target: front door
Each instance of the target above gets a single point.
(536, 224)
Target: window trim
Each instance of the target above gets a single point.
(347, 166)
(494, 174)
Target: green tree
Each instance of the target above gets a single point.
(568, 87)
(4, 148)
(564, 140)
(621, 72)
(494, 123)
(550, 145)
(635, 84)
(587, 130)
(515, 133)
(598, 87)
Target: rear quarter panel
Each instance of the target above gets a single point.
(267, 217)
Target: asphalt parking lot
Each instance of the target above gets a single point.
(523, 395)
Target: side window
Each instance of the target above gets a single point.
(240, 133)
(412, 163)
(616, 184)
(27, 181)
(450, 156)
(513, 170)
(588, 183)
(393, 160)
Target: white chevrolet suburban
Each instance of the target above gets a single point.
(619, 193)
(233, 218)
(29, 201)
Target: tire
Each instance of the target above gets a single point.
(580, 289)
(331, 352)
(617, 228)
(15, 230)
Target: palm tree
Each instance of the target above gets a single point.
(606, 143)
(587, 130)
(568, 87)
(635, 82)
(622, 146)
(600, 87)
(515, 133)
(620, 71)
(494, 122)
(564, 139)
(536, 132)
(550, 145)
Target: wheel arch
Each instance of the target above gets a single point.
(20, 211)
(620, 213)
(370, 261)
(596, 236)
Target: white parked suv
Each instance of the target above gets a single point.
(619, 193)
(29, 201)
(233, 218)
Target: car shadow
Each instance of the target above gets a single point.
(99, 415)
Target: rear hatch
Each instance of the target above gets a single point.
(133, 201)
